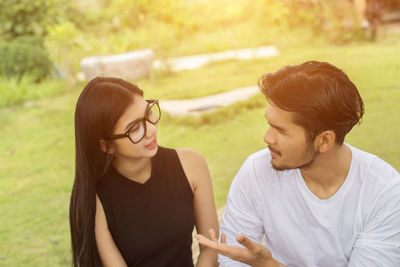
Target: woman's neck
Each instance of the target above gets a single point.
(138, 170)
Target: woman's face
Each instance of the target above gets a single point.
(147, 147)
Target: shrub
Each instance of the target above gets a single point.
(30, 17)
(335, 20)
(24, 56)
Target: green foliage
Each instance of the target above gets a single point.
(23, 25)
(24, 55)
(133, 13)
(29, 17)
(273, 13)
(75, 29)
(341, 24)
(178, 28)
(335, 20)
(62, 41)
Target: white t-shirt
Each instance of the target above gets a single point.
(358, 226)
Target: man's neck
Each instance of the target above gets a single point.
(328, 172)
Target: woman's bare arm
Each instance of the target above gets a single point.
(196, 170)
(108, 251)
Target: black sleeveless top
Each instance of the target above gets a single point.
(151, 223)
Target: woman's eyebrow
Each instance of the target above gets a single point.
(137, 120)
(129, 125)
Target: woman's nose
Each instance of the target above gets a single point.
(151, 129)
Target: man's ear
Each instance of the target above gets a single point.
(106, 147)
(325, 140)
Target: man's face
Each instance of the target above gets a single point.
(287, 141)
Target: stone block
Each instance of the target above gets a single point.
(129, 66)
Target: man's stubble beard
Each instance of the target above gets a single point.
(308, 164)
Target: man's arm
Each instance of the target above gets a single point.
(378, 243)
(242, 216)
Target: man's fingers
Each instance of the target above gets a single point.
(220, 248)
(232, 252)
(223, 238)
(213, 235)
(205, 241)
(245, 241)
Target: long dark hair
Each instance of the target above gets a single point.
(99, 107)
(321, 96)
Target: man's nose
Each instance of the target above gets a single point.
(269, 136)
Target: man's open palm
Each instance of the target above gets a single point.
(252, 253)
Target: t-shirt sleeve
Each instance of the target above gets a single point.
(242, 216)
(378, 242)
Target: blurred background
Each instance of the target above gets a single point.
(43, 47)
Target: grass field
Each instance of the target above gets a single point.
(14, 92)
(37, 142)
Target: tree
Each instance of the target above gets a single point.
(30, 17)
(23, 26)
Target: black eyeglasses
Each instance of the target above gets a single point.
(137, 131)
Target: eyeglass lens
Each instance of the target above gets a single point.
(138, 131)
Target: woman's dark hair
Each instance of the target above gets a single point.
(321, 96)
(99, 107)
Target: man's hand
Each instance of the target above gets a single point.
(253, 254)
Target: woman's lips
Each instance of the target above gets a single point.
(152, 145)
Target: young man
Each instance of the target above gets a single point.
(315, 200)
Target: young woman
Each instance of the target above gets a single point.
(134, 203)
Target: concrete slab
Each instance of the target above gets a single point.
(197, 61)
(207, 103)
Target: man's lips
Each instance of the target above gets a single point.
(274, 153)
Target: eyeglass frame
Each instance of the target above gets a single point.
(143, 120)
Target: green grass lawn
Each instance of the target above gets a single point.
(37, 143)
(14, 92)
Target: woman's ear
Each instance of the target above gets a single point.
(326, 140)
(106, 147)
